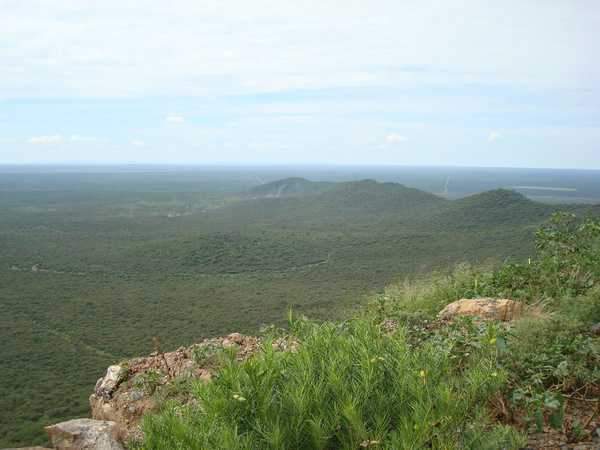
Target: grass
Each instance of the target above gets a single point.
(117, 271)
(417, 384)
(349, 385)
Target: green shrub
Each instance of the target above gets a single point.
(567, 262)
(348, 386)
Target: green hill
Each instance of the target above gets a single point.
(120, 266)
(395, 376)
(288, 187)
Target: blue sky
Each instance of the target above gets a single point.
(511, 83)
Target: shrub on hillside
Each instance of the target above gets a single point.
(348, 386)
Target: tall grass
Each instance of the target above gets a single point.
(347, 386)
(363, 384)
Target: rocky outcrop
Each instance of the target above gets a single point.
(130, 389)
(85, 434)
(483, 308)
(107, 385)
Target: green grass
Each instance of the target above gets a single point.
(422, 384)
(120, 271)
(348, 385)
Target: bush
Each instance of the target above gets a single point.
(348, 386)
(567, 262)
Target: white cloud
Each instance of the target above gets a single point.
(395, 138)
(86, 139)
(43, 140)
(59, 139)
(137, 143)
(494, 136)
(174, 118)
(102, 49)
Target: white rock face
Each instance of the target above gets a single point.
(107, 385)
(85, 434)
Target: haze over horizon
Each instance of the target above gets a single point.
(380, 83)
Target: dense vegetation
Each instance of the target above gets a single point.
(93, 267)
(361, 383)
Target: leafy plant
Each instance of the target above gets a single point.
(147, 382)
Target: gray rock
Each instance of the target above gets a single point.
(85, 434)
(107, 385)
(595, 329)
(136, 395)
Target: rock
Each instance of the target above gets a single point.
(484, 308)
(595, 329)
(85, 434)
(236, 337)
(107, 385)
(28, 448)
(120, 399)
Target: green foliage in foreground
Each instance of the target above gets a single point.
(348, 385)
(355, 384)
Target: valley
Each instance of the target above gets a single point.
(93, 267)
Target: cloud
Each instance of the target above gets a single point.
(222, 54)
(494, 136)
(174, 118)
(137, 143)
(395, 138)
(44, 140)
(59, 139)
(86, 139)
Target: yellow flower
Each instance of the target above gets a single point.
(422, 374)
(239, 398)
(492, 341)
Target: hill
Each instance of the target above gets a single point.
(92, 272)
(440, 363)
(288, 187)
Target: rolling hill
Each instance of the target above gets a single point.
(117, 268)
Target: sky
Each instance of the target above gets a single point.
(381, 82)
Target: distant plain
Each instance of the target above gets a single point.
(96, 261)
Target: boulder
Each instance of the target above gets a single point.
(85, 434)
(483, 308)
(109, 383)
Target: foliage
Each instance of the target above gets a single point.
(180, 255)
(337, 391)
(568, 261)
(147, 382)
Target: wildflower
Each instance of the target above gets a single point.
(369, 443)
(239, 398)
(492, 341)
(494, 374)
(377, 359)
(422, 374)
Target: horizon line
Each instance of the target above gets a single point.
(264, 165)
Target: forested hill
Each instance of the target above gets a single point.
(91, 271)
(300, 201)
